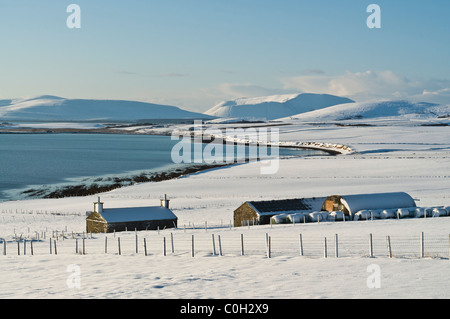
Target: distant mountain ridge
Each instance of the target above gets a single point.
(54, 108)
(275, 106)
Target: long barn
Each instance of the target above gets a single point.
(337, 206)
(351, 204)
(260, 212)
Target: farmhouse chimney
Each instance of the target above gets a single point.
(98, 206)
(165, 201)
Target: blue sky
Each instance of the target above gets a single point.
(194, 53)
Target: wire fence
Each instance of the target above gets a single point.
(221, 242)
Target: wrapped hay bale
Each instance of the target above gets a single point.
(419, 212)
(447, 208)
(315, 217)
(438, 212)
(279, 219)
(363, 215)
(336, 216)
(404, 213)
(325, 215)
(429, 211)
(388, 213)
(376, 213)
(296, 218)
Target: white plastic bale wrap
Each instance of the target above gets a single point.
(279, 219)
(419, 212)
(296, 218)
(438, 212)
(405, 212)
(325, 215)
(336, 216)
(388, 213)
(363, 215)
(316, 217)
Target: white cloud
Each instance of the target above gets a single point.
(371, 85)
(359, 86)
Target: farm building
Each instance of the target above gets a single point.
(130, 218)
(260, 212)
(351, 204)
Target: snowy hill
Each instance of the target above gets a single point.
(276, 106)
(53, 108)
(375, 110)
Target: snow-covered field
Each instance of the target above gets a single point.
(409, 158)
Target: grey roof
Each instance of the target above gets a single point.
(134, 214)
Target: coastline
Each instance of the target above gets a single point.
(112, 182)
(106, 184)
(331, 149)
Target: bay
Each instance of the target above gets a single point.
(46, 161)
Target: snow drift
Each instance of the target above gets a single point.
(53, 108)
(274, 107)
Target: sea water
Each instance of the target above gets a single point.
(42, 160)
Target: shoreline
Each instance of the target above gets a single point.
(331, 149)
(106, 184)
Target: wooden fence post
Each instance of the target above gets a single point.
(269, 253)
(336, 246)
(370, 245)
(192, 248)
(213, 245)
(422, 245)
(171, 241)
(135, 232)
(118, 245)
(220, 246)
(164, 245)
(325, 255)
(388, 240)
(145, 247)
(242, 244)
(301, 244)
(106, 244)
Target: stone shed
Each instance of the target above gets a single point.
(130, 218)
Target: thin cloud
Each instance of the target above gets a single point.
(172, 75)
(369, 85)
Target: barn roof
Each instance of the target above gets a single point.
(287, 205)
(355, 203)
(134, 214)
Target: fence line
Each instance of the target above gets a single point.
(233, 244)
